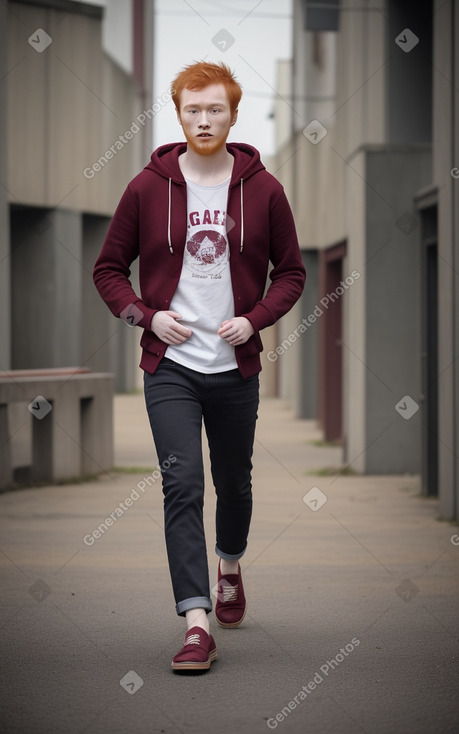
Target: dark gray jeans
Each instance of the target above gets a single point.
(177, 400)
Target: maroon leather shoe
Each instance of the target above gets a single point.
(198, 652)
(231, 604)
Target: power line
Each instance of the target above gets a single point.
(294, 97)
(225, 14)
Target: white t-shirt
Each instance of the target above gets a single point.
(204, 295)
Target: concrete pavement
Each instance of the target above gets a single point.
(352, 622)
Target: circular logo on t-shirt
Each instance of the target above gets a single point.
(207, 251)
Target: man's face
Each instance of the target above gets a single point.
(206, 118)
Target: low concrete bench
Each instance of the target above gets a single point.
(68, 414)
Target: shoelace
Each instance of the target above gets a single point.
(192, 640)
(230, 593)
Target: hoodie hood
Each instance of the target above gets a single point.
(164, 162)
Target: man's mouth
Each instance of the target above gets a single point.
(204, 135)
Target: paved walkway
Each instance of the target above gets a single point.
(352, 622)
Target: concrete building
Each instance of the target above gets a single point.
(76, 128)
(372, 170)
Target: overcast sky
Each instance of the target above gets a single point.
(248, 35)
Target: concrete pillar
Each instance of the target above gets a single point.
(43, 433)
(382, 334)
(446, 164)
(392, 308)
(455, 261)
(96, 430)
(354, 318)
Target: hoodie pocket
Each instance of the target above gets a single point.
(152, 343)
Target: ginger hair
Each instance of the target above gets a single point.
(201, 74)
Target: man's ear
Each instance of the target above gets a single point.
(234, 118)
(178, 116)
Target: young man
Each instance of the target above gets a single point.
(205, 219)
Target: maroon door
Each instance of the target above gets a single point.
(330, 341)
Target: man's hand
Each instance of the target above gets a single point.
(165, 325)
(236, 331)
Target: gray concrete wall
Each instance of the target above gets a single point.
(309, 343)
(393, 309)
(354, 316)
(289, 366)
(5, 306)
(58, 317)
(346, 189)
(382, 329)
(108, 344)
(67, 106)
(344, 87)
(453, 486)
(269, 372)
(99, 338)
(446, 158)
(46, 288)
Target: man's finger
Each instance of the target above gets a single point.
(182, 330)
(174, 338)
(226, 329)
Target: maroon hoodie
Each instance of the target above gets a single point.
(150, 223)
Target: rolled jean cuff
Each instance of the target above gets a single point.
(194, 602)
(228, 556)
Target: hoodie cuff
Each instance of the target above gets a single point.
(259, 317)
(138, 314)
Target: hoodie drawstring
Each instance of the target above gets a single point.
(242, 215)
(171, 250)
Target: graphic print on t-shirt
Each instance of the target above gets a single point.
(208, 252)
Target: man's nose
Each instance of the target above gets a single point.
(203, 120)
